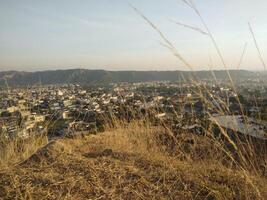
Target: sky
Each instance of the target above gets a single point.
(109, 34)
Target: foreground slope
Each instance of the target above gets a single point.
(123, 165)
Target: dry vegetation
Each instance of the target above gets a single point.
(15, 150)
(135, 161)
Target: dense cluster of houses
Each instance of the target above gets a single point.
(68, 109)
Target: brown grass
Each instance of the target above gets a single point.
(133, 162)
(15, 150)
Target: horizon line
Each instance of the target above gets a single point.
(130, 70)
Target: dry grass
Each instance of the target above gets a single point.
(15, 150)
(133, 162)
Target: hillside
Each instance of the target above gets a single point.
(125, 164)
(84, 76)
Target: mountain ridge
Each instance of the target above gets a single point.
(86, 76)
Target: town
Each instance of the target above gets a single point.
(69, 109)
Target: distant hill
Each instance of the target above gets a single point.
(85, 76)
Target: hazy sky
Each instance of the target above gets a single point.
(109, 34)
